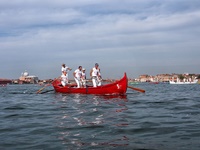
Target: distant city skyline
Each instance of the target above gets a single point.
(138, 37)
(26, 73)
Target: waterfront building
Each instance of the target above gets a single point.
(25, 78)
(144, 78)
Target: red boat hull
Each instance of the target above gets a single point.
(116, 88)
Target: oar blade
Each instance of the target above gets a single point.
(40, 90)
(46, 91)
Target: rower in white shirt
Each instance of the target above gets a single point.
(96, 75)
(64, 78)
(77, 76)
(66, 69)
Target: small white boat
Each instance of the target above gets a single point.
(184, 82)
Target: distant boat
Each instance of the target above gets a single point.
(154, 82)
(184, 82)
(5, 81)
(132, 82)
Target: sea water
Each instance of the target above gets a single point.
(165, 117)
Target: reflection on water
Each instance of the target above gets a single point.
(89, 121)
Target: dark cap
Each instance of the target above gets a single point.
(96, 64)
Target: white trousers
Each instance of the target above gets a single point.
(64, 83)
(83, 83)
(96, 82)
(78, 82)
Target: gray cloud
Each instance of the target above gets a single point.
(129, 36)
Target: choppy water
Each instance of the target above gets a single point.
(165, 117)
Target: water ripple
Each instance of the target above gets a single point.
(165, 117)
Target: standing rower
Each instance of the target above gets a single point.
(77, 76)
(96, 75)
(65, 68)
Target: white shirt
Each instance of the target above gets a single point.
(64, 78)
(78, 74)
(83, 75)
(95, 72)
(64, 68)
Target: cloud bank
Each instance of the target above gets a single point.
(137, 37)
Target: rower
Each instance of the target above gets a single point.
(65, 68)
(83, 78)
(64, 78)
(77, 76)
(96, 75)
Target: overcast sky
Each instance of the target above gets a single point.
(134, 36)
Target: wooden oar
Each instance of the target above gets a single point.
(42, 88)
(46, 91)
(137, 89)
(133, 88)
(46, 86)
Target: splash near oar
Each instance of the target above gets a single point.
(137, 89)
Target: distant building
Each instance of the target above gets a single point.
(164, 77)
(25, 78)
(144, 78)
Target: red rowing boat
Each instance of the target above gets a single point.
(116, 88)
